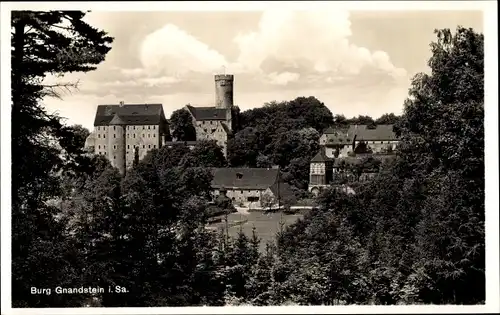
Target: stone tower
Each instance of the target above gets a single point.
(224, 94)
(117, 143)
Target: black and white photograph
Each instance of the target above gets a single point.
(219, 157)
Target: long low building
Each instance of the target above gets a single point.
(259, 186)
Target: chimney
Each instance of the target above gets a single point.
(122, 103)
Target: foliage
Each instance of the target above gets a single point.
(421, 220)
(206, 153)
(43, 150)
(181, 124)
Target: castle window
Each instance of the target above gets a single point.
(154, 126)
(114, 127)
(149, 135)
(134, 135)
(134, 129)
(154, 146)
(104, 135)
(143, 135)
(104, 147)
(149, 127)
(143, 127)
(154, 135)
(143, 146)
(99, 146)
(114, 135)
(149, 146)
(114, 147)
(128, 146)
(98, 135)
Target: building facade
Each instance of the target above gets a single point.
(342, 150)
(251, 186)
(122, 130)
(215, 123)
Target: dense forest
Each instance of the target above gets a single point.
(413, 234)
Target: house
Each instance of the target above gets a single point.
(378, 139)
(259, 186)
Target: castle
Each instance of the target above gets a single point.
(215, 123)
(125, 130)
(348, 147)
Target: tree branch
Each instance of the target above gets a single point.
(54, 90)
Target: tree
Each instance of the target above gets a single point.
(182, 126)
(446, 113)
(415, 233)
(206, 153)
(44, 43)
(387, 119)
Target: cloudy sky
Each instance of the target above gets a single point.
(355, 62)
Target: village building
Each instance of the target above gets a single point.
(342, 151)
(259, 187)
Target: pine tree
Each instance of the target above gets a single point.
(41, 45)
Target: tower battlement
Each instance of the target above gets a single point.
(228, 77)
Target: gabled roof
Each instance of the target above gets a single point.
(117, 120)
(329, 130)
(244, 178)
(131, 114)
(207, 113)
(379, 133)
(321, 156)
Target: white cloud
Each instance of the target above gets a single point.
(171, 51)
(132, 73)
(319, 37)
(283, 78)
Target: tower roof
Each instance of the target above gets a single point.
(117, 120)
(321, 156)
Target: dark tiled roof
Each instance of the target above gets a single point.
(117, 120)
(207, 113)
(338, 138)
(244, 178)
(321, 156)
(329, 130)
(132, 114)
(379, 133)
